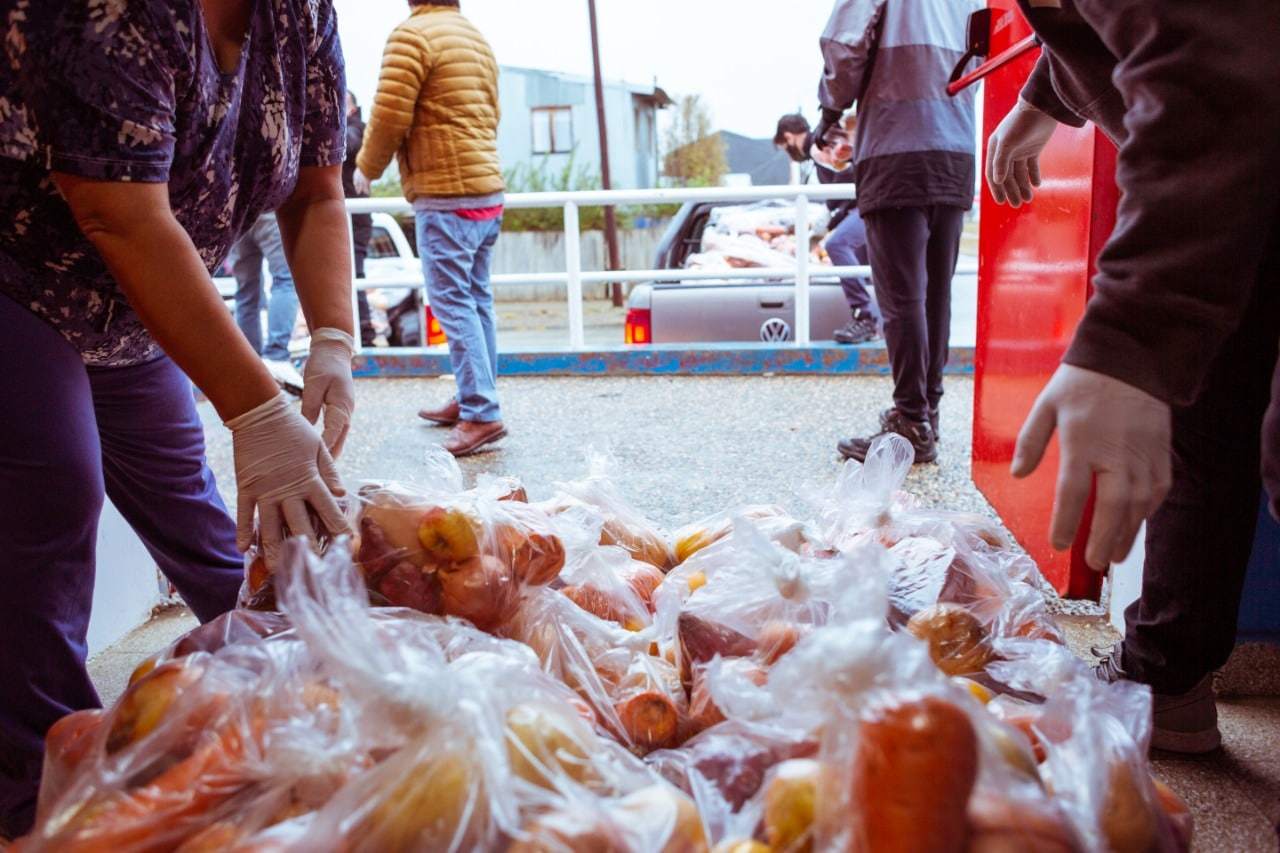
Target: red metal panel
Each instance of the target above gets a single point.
(1034, 267)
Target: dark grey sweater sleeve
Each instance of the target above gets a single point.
(847, 43)
(1200, 187)
(1038, 91)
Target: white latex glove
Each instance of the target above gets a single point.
(1013, 153)
(281, 469)
(362, 184)
(327, 385)
(1109, 430)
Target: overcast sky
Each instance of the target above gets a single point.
(751, 60)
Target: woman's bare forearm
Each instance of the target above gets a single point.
(159, 270)
(317, 242)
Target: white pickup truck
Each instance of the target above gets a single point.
(390, 258)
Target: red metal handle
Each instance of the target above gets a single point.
(999, 60)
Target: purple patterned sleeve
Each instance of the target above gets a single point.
(324, 128)
(110, 80)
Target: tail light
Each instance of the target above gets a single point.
(639, 326)
(435, 334)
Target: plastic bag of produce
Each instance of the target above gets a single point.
(773, 521)
(606, 581)
(907, 758)
(465, 554)
(1092, 740)
(622, 525)
(759, 601)
(488, 740)
(637, 696)
(250, 731)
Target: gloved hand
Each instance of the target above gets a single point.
(1013, 153)
(362, 184)
(327, 385)
(281, 469)
(1107, 429)
(830, 118)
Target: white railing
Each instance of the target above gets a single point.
(574, 277)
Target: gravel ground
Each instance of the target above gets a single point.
(685, 447)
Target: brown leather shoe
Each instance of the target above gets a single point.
(446, 415)
(467, 437)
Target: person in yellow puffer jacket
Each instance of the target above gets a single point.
(437, 112)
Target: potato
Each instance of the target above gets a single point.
(1001, 825)
(661, 805)
(789, 805)
(144, 706)
(431, 800)
(481, 589)
(535, 558)
(545, 742)
(958, 643)
(778, 637)
(1128, 819)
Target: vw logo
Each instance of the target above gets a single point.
(775, 329)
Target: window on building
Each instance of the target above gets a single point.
(552, 130)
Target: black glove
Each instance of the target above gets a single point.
(830, 118)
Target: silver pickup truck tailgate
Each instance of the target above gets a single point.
(750, 312)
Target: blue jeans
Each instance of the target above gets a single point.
(68, 435)
(847, 246)
(456, 254)
(263, 240)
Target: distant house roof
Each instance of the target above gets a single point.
(651, 91)
(756, 157)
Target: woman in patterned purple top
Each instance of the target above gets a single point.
(137, 139)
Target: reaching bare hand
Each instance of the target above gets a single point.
(1013, 153)
(1107, 430)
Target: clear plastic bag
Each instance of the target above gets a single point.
(250, 731)
(606, 581)
(773, 521)
(465, 554)
(1092, 740)
(621, 524)
(759, 599)
(637, 695)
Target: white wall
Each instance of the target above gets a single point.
(127, 585)
(1126, 580)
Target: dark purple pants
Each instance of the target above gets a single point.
(68, 435)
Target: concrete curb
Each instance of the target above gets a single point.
(658, 360)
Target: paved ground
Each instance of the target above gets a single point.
(773, 441)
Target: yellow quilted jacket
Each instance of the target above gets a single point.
(436, 109)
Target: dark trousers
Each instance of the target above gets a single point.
(847, 246)
(1183, 627)
(913, 255)
(67, 435)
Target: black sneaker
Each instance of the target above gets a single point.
(859, 330)
(933, 422)
(919, 433)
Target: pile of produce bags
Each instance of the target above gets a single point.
(474, 671)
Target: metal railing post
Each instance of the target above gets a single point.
(802, 270)
(355, 294)
(573, 274)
